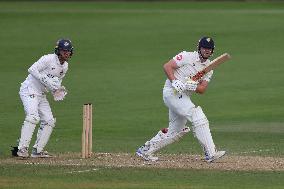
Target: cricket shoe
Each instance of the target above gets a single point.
(217, 155)
(43, 154)
(142, 152)
(23, 152)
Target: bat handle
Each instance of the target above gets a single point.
(198, 76)
(194, 78)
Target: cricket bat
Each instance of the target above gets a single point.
(215, 63)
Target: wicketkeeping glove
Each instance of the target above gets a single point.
(178, 86)
(190, 85)
(60, 93)
(51, 83)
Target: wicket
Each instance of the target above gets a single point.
(87, 138)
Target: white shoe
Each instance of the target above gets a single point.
(23, 152)
(147, 157)
(216, 156)
(43, 154)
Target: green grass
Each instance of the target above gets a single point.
(89, 177)
(117, 65)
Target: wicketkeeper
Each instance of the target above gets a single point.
(45, 76)
(177, 97)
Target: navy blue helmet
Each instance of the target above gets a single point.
(206, 42)
(63, 44)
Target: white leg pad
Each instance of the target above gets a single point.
(164, 138)
(202, 132)
(43, 135)
(28, 130)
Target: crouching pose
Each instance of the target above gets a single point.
(45, 75)
(176, 95)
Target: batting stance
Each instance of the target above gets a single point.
(45, 76)
(176, 95)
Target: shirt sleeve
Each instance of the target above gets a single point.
(63, 75)
(182, 58)
(38, 67)
(207, 77)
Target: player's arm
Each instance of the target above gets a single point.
(63, 75)
(203, 84)
(61, 92)
(201, 87)
(169, 69)
(37, 67)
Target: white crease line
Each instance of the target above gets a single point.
(253, 151)
(82, 171)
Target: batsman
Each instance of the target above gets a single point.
(45, 75)
(177, 92)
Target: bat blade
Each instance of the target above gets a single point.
(215, 63)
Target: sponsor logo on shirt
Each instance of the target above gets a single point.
(179, 57)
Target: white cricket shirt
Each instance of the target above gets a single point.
(47, 65)
(189, 64)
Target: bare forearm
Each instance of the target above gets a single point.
(169, 73)
(169, 69)
(201, 88)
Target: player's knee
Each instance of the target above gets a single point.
(185, 111)
(32, 118)
(198, 117)
(166, 137)
(51, 122)
(174, 135)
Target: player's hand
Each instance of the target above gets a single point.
(55, 83)
(178, 86)
(51, 83)
(190, 85)
(60, 93)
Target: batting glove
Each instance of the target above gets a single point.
(190, 85)
(178, 86)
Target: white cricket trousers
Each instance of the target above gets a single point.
(37, 109)
(180, 109)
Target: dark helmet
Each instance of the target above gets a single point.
(206, 42)
(63, 44)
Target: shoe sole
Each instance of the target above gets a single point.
(36, 156)
(22, 156)
(146, 158)
(216, 158)
(142, 156)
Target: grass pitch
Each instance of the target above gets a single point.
(117, 65)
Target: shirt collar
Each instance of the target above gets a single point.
(58, 62)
